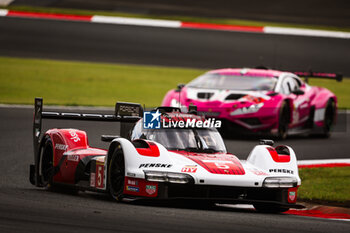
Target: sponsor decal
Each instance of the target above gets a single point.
(155, 165)
(258, 172)
(225, 164)
(74, 136)
(132, 188)
(189, 169)
(61, 146)
(92, 180)
(151, 120)
(151, 189)
(73, 157)
(287, 171)
(292, 196)
(129, 109)
(133, 182)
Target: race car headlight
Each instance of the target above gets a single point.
(280, 182)
(245, 110)
(178, 178)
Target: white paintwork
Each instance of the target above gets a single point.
(258, 160)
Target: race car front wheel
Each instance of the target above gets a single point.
(116, 175)
(46, 165)
(269, 208)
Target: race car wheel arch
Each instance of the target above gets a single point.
(116, 173)
(46, 168)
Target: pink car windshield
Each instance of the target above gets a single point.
(234, 82)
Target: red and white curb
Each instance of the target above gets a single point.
(324, 163)
(176, 24)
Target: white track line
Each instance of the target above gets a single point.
(306, 32)
(323, 161)
(3, 12)
(136, 21)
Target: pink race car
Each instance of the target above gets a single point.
(260, 100)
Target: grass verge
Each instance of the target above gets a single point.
(325, 185)
(84, 83)
(181, 18)
(100, 84)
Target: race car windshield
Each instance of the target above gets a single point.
(233, 82)
(189, 139)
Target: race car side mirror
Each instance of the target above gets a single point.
(298, 92)
(266, 142)
(180, 86)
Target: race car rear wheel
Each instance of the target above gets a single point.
(283, 121)
(46, 165)
(116, 175)
(269, 208)
(329, 118)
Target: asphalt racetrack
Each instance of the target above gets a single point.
(24, 208)
(170, 47)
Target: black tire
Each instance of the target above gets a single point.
(283, 121)
(269, 208)
(329, 118)
(116, 175)
(46, 164)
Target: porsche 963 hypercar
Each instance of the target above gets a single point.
(183, 157)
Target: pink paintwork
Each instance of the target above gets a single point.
(257, 110)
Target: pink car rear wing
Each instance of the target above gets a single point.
(312, 74)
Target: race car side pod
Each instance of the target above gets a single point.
(126, 113)
(311, 74)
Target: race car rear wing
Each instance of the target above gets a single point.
(311, 74)
(126, 113)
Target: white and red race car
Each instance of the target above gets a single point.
(163, 163)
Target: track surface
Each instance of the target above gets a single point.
(169, 47)
(315, 12)
(24, 208)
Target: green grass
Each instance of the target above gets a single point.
(325, 185)
(340, 89)
(181, 18)
(100, 84)
(83, 83)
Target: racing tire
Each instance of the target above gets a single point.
(283, 121)
(329, 118)
(269, 208)
(46, 164)
(116, 175)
